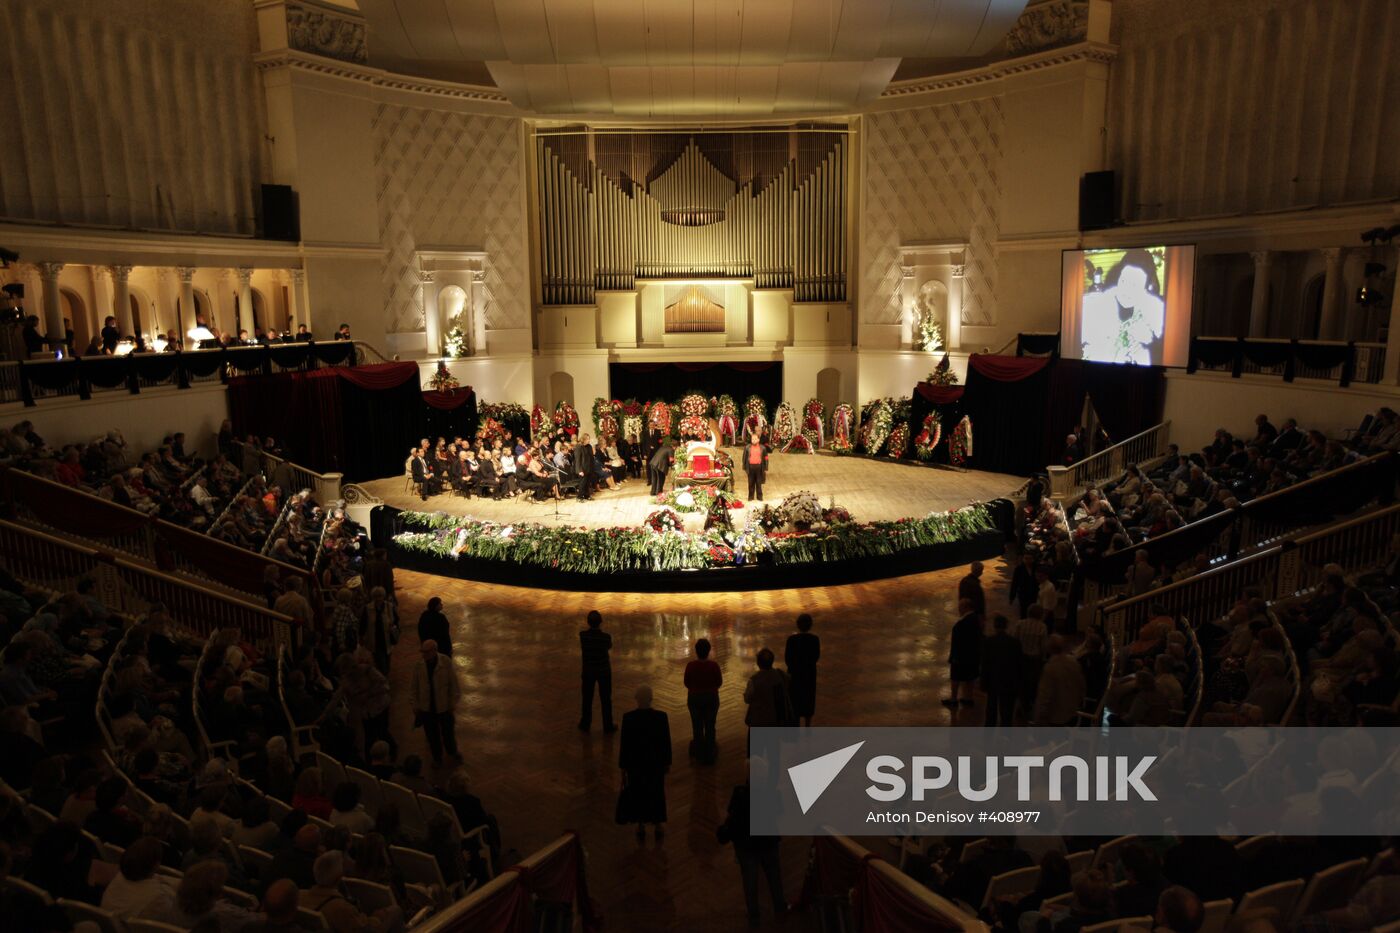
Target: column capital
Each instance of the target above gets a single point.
(426, 276)
(50, 270)
(1262, 257)
(244, 275)
(186, 274)
(298, 276)
(907, 272)
(478, 276)
(1333, 254)
(120, 273)
(959, 271)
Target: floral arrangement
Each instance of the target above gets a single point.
(511, 415)
(841, 429)
(960, 442)
(801, 508)
(769, 519)
(812, 415)
(943, 374)
(605, 417)
(927, 440)
(805, 441)
(755, 414)
(728, 414)
(456, 340)
(539, 422)
(930, 334)
(490, 431)
(632, 427)
(784, 425)
(880, 423)
(664, 520)
(899, 442)
(442, 380)
(658, 415)
(694, 410)
(565, 417)
(690, 498)
(836, 514)
(662, 546)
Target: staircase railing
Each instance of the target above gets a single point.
(1067, 481)
(325, 487)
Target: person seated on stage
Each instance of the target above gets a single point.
(487, 477)
(631, 457)
(428, 482)
(611, 458)
(506, 459)
(546, 485)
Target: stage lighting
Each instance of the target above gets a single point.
(124, 347)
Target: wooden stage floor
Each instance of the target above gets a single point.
(870, 489)
(884, 651)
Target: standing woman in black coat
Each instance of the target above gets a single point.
(644, 757)
(801, 655)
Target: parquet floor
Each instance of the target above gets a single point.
(884, 650)
(872, 490)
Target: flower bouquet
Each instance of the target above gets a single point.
(728, 415)
(755, 415)
(443, 380)
(943, 374)
(899, 441)
(769, 519)
(927, 440)
(663, 521)
(694, 425)
(801, 442)
(658, 415)
(841, 429)
(490, 431)
(565, 417)
(688, 499)
(835, 514)
(801, 509)
(812, 414)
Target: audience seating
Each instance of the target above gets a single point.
(1281, 898)
(1120, 926)
(1329, 888)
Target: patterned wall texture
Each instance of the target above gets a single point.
(1253, 106)
(135, 114)
(931, 175)
(451, 180)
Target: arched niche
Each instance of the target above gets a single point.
(561, 389)
(829, 389)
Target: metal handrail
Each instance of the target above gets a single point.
(1140, 448)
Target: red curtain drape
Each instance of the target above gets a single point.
(939, 395)
(447, 401)
(376, 376)
(1007, 368)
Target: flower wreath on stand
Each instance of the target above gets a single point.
(841, 429)
(658, 415)
(784, 426)
(631, 412)
(899, 442)
(960, 442)
(565, 417)
(538, 422)
(812, 414)
(755, 415)
(728, 414)
(604, 417)
(443, 380)
(881, 422)
(694, 425)
(927, 441)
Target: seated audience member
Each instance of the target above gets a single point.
(347, 811)
(327, 897)
(309, 795)
(200, 900)
(295, 861)
(138, 891)
(111, 821)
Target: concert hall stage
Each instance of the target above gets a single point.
(872, 489)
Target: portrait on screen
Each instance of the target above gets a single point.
(1123, 312)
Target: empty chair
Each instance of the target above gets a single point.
(1250, 848)
(421, 868)
(1329, 888)
(369, 895)
(411, 819)
(277, 809)
(368, 784)
(1015, 884)
(33, 890)
(1111, 852)
(1059, 900)
(1281, 897)
(1215, 915)
(419, 897)
(78, 912)
(1122, 925)
(331, 771)
(1389, 928)
(40, 818)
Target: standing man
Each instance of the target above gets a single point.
(964, 655)
(801, 654)
(583, 466)
(435, 695)
(594, 646)
(1060, 693)
(767, 696)
(659, 465)
(1001, 673)
(703, 679)
(756, 466)
(1024, 588)
(110, 335)
(432, 626)
(970, 588)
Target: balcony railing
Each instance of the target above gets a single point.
(1325, 360)
(1109, 462)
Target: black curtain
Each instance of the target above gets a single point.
(1008, 422)
(949, 414)
(380, 426)
(1128, 399)
(1038, 344)
(669, 381)
(452, 422)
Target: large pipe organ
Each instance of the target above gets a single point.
(660, 206)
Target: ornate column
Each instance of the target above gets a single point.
(432, 326)
(906, 312)
(1259, 301)
(953, 338)
(478, 306)
(1328, 328)
(121, 300)
(187, 315)
(53, 308)
(1392, 333)
(299, 315)
(245, 300)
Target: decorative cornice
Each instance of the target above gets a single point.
(376, 77)
(1050, 24)
(1092, 52)
(321, 32)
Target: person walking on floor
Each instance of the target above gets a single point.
(767, 696)
(753, 853)
(1024, 588)
(964, 655)
(594, 646)
(644, 755)
(800, 655)
(1060, 694)
(970, 587)
(432, 626)
(1001, 673)
(756, 466)
(1033, 636)
(703, 679)
(435, 695)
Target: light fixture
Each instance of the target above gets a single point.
(200, 332)
(124, 347)
(159, 343)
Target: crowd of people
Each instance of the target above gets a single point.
(108, 340)
(507, 467)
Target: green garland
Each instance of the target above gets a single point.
(620, 550)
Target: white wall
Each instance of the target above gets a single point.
(143, 419)
(1199, 403)
(494, 379)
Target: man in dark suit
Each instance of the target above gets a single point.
(422, 474)
(1288, 440)
(659, 465)
(1001, 673)
(644, 754)
(583, 468)
(432, 626)
(594, 647)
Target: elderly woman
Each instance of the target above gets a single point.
(200, 900)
